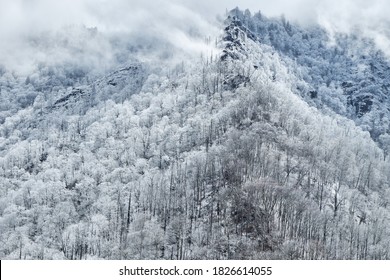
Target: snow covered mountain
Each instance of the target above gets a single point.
(272, 146)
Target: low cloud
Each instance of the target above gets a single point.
(183, 24)
(48, 32)
(366, 18)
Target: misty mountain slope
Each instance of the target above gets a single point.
(117, 86)
(346, 73)
(217, 158)
(77, 58)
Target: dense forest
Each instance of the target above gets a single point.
(269, 148)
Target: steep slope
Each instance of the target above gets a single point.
(345, 73)
(219, 159)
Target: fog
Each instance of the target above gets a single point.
(30, 29)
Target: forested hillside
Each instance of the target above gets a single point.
(345, 73)
(254, 152)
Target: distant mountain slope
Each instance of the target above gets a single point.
(117, 86)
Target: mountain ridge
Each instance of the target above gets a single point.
(355, 73)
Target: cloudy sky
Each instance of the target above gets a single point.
(173, 19)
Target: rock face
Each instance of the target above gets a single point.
(118, 85)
